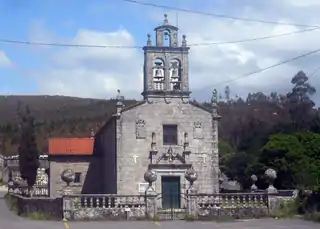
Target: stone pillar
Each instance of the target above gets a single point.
(192, 176)
(67, 176)
(215, 141)
(150, 176)
(271, 175)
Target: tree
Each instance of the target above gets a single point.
(296, 158)
(300, 103)
(28, 152)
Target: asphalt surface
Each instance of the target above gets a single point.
(10, 221)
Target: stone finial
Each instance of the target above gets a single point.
(119, 104)
(150, 176)
(67, 176)
(214, 97)
(184, 41)
(149, 43)
(254, 179)
(191, 175)
(165, 21)
(271, 175)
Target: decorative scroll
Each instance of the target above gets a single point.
(141, 132)
(197, 130)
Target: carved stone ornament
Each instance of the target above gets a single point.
(141, 132)
(67, 176)
(150, 176)
(197, 130)
(191, 175)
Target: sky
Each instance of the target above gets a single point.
(99, 72)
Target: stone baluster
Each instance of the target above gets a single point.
(238, 201)
(85, 202)
(103, 202)
(91, 202)
(244, 201)
(232, 201)
(255, 201)
(109, 201)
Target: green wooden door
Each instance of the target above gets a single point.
(170, 192)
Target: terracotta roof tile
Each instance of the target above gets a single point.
(71, 146)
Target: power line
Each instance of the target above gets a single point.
(313, 73)
(20, 42)
(255, 39)
(215, 14)
(269, 67)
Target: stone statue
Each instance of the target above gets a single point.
(214, 97)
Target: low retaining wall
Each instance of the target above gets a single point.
(233, 213)
(38, 207)
(116, 207)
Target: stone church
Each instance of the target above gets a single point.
(165, 132)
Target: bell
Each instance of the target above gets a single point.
(174, 74)
(158, 73)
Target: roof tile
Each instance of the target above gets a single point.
(71, 146)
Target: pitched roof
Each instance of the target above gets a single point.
(71, 146)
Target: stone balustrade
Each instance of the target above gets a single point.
(37, 190)
(231, 200)
(104, 206)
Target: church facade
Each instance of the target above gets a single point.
(166, 132)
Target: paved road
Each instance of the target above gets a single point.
(11, 221)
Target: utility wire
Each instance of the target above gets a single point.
(313, 73)
(254, 39)
(215, 14)
(269, 67)
(20, 42)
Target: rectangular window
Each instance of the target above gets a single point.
(170, 135)
(77, 178)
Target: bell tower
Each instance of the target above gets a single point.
(166, 64)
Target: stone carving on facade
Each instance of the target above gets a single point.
(141, 132)
(170, 156)
(197, 130)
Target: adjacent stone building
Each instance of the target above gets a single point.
(165, 132)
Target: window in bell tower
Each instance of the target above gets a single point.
(175, 75)
(166, 38)
(158, 74)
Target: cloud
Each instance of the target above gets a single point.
(98, 72)
(94, 72)
(5, 62)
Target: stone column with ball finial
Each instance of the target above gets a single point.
(150, 176)
(271, 175)
(191, 175)
(67, 176)
(254, 179)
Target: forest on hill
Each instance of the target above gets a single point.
(281, 131)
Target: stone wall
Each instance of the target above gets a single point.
(87, 166)
(141, 123)
(49, 208)
(140, 207)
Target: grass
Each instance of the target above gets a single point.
(315, 216)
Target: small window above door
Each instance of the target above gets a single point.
(170, 134)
